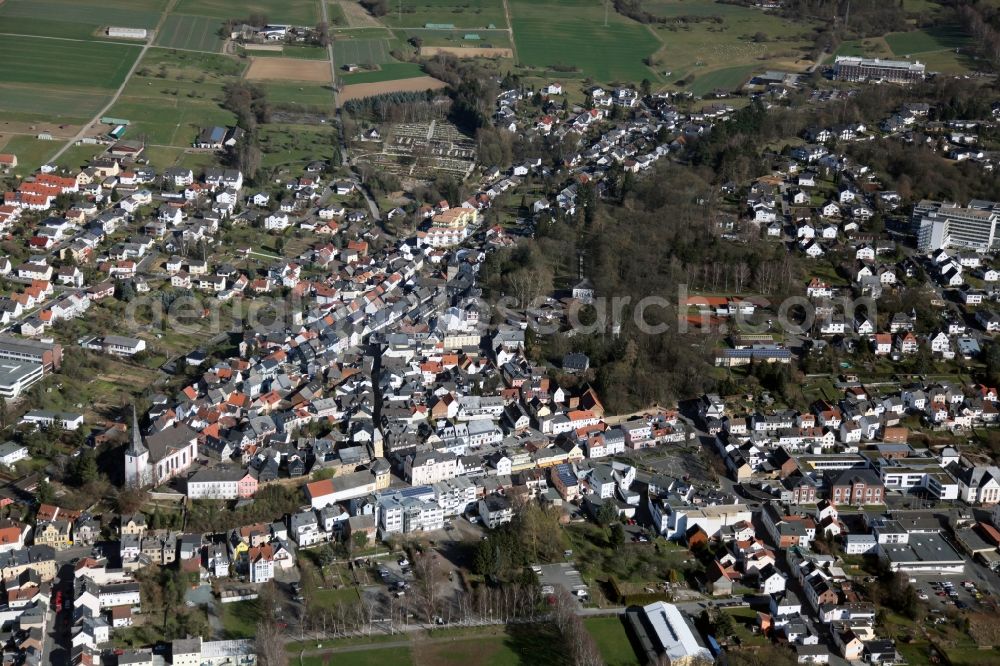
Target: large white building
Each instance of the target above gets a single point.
(853, 68)
(668, 636)
(197, 652)
(943, 225)
(221, 483)
(161, 456)
(673, 519)
(18, 376)
(423, 469)
(409, 510)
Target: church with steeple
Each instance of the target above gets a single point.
(160, 457)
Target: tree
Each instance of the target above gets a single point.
(428, 579)
(322, 33)
(270, 641)
(360, 539)
(607, 514)
(617, 535)
(44, 493)
(86, 468)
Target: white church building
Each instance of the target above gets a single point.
(156, 459)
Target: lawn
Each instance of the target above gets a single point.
(459, 13)
(727, 79)
(938, 38)
(194, 33)
(295, 144)
(298, 94)
(868, 48)
(484, 651)
(168, 120)
(388, 72)
(399, 656)
(239, 618)
(31, 153)
(613, 641)
(43, 62)
(296, 12)
(76, 157)
(329, 598)
(190, 64)
(579, 42)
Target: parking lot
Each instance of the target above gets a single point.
(562, 575)
(959, 591)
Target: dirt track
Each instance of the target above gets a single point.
(288, 69)
(462, 52)
(360, 90)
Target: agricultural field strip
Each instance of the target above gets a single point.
(84, 13)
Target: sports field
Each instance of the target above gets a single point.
(31, 153)
(459, 13)
(294, 12)
(380, 657)
(44, 62)
(579, 42)
(612, 640)
(194, 33)
(361, 51)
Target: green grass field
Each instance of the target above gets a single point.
(382, 657)
(291, 51)
(609, 634)
(61, 105)
(361, 51)
(23, 25)
(387, 72)
(169, 121)
(727, 79)
(192, 65)
(194, 33)
(77, 157)
(296, 12)
(579, 40)
(488, 38)
(43, 62)
(938, 38)
(305, 94)
(94, 14)
(484, 650)
(31, 153)
(459, 13)
(296, 145)
(733, 41)
(239, 618)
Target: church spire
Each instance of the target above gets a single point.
(136, 446)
